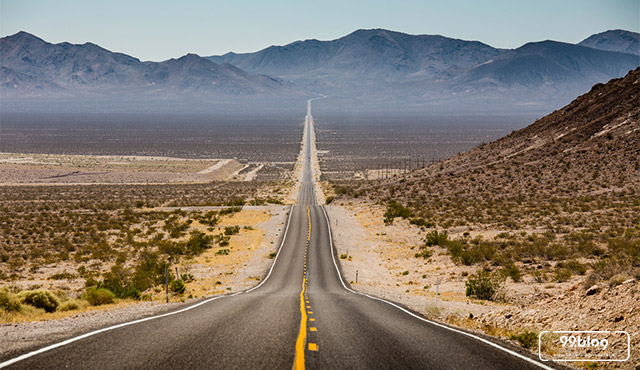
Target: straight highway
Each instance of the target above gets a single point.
(302, 315)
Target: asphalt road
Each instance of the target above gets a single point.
(301, 316)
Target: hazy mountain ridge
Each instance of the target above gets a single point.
(372, 53)
(435, 71)
(34, 67)
(365, 70)
(614, 40)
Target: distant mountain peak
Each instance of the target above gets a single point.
(614, 40)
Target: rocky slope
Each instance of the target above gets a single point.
(589, 147)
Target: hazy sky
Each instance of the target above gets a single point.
(158, 30)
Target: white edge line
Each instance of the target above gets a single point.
(284, 237)
(92, 333)
(516, 354)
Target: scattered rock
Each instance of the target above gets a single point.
(618, 319)
(593, 290)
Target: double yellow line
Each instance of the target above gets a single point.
(302, 335)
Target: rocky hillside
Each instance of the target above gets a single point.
(589, 147)
(555, 202)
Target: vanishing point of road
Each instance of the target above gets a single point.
(302, 315)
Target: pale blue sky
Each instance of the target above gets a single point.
(158, 30)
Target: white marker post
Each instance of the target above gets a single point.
(166, 282)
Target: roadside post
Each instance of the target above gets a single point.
(356, 276)
(437, 286)
(166, 282)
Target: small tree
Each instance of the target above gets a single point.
(483, 285)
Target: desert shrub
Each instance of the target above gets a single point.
(230, 210)
(231, 230)
(396, 209)
(512, 271)
(187, 278)
(175, 228)
(222, 252)
(98, 296)
(273, 255)
(573, 266)
(329, 199)
(177, 286)
(221, 240)
(539, 276)
(62, 276)
(561, 274)
(424, 253)
(8, 301)
(119, 281)
(198, 242)
(606, 268)
(436, 238)
(483, 285)
(40, 299)
(342, 190)
(72, 304)
(527, 339)
(210, 218)
(468, 254)
(236, 202)
(421, 222)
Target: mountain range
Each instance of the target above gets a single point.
(32, 67)
(370, 69)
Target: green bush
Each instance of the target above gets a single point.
(424, 253)
(396, 209)
(98, 296)
(40, 299)
(187, 278)
(231, 230)
(435, 238)
(177, 286)
(71, 304)
(482, 285)
(329, 199)
(198, 242)
(527, 338)
(222, 252)
(561, 275)
(512, 271)
(421, 222)
(8, 301)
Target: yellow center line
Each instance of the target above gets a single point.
(302, 335)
